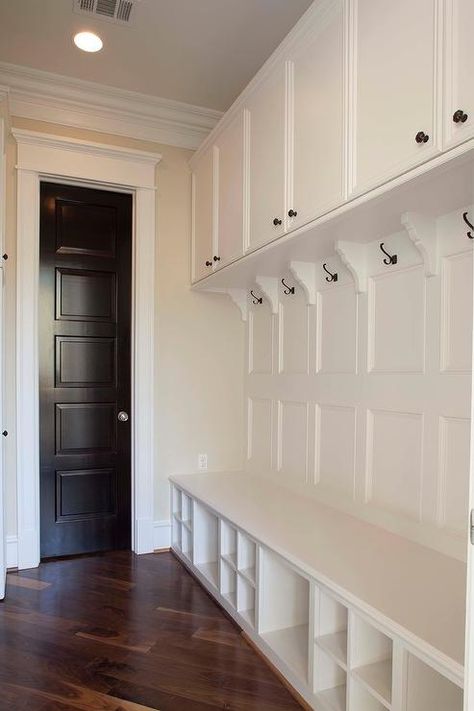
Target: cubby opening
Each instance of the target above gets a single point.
(206, 551)
(229, 544)
(187, 542)
(186, 510)
(229, 584)
(361, 700)
(329, 683)
(247, 556)
(176, 495)
(371, 654)
(284, 613)
(427, 690)
(331, 626)
(246, 601)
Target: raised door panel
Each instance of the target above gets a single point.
(266, 112)
(394, 68)
(317, 65)
(203, 215)
(230, 168)
(459, 72)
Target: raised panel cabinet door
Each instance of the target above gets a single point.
(229, 149)
(317, 69)
(393, 108)
(203, 215)
(266, 111)
(459, 72)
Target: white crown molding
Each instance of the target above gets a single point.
(43, 96)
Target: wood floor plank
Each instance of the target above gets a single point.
(117, 632)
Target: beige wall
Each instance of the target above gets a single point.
(199, 338)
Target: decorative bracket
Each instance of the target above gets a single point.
(238, 296)
(305, 275)
(354, 256)
(422, 232)
(269, 287)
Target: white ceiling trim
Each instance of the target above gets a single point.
(43, 96)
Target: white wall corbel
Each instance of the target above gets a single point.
(305, 275)
(238, 296)
(269, 287)
(354, 256)
(422, 232)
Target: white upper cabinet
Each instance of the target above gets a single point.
(459, 72)
(317, 89)
(393, 64)
(266, 115)
(229, 154)
(203, 215)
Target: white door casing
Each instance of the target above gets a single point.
(3, 566)
(55, 158)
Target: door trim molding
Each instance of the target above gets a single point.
(43, 157)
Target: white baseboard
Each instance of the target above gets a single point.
(161, 539)
(12, 551)
(161, 535)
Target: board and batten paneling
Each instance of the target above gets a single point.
(363, 399)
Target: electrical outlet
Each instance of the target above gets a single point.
(202, 462)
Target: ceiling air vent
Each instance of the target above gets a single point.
(119, 11)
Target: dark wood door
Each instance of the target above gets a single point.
(85, 361)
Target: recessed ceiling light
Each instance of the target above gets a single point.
(88, 42)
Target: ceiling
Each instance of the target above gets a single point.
(201, 52)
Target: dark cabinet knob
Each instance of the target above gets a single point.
(208, 263)
(5, 433)
(459, 116)
(216, 259)
(276, 222)
(292, 213)
(422, 137)
(5, 257)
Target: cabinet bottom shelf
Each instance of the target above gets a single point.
(331, 699)
(291, 645)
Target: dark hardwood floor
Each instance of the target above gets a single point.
(116, 632)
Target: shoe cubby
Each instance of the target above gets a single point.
(427, 690)
(361, 700)
(229, 544)
(206, 547)
(331, 621)
(246, 601)
(228, 584)
(247, 558)
(187, 542)
(284, 612)
(176, 502)
(186, 511)
(330, 683)
(371, 655)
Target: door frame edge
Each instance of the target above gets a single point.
(42, 157)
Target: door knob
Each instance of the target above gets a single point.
(422, 137)
(216, 259)
(292, 213)
(459, 116)
(276, 222)
(122, 416)
(5, 433)
(208, 263)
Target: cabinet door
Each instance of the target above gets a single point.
(266, 111)
(317, 65)
(229, 149)
(459, 72)
(394, 88)
(203, 215)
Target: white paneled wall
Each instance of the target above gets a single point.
(363, 399)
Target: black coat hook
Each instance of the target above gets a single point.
(288, 289)
(391, 258)
(331, 277)
(469, 224)
(255, 298)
